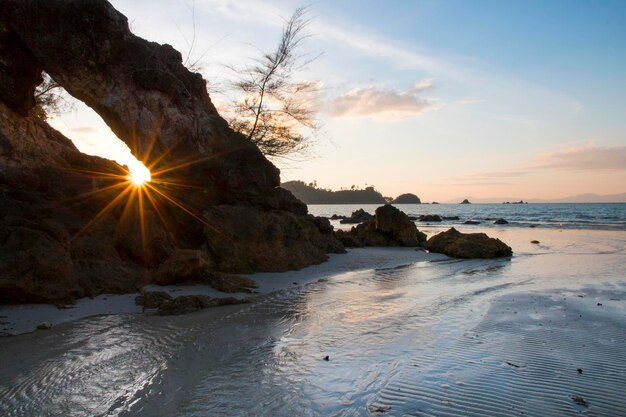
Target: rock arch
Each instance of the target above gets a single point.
(57, 246)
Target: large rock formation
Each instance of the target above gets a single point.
(388, 227)
(72, 225)
(467, 245)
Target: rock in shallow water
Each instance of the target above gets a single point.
(358, 216)
(388, 227)
(430, 218)
(471, 245)
(186, 304)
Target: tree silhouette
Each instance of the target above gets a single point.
(272, 108)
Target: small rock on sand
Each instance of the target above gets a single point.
(44, 326)
(372, 408)
(191, 303)
(580, 400)
(536, 242)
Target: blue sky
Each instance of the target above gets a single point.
(445, 99)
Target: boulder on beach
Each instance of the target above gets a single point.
(467, 245)
(230, 282)
(450, 217)
(152, 299)
(388, 227)
(407, 198)
(471, 222)
(358, 216)
(500, 221)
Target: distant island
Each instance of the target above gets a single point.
(312, 194)
(407, 198)
(580, 198)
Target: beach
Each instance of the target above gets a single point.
(394, 331)
(334, 209)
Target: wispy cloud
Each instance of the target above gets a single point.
(268, 13)
(383, 104)
(585, 157)
(490, 175)
(487, 178)
(382, 48)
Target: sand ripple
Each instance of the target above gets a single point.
(445, 338)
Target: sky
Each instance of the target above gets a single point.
(502, 100)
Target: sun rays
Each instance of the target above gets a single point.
(147, 200)
(139, 174)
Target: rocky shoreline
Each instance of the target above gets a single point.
(73, 225)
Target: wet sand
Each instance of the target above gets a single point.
(416, 337)
(24, 318)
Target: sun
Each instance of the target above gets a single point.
(139, 174)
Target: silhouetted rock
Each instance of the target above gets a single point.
(60, 237)
(407, 198)
(358, 216)
(471, 222)
(500, 221)
(434, 202)
(322, 223)
(337, 217)
(450, 217)
(430, 218)
(389, 227)
(466, 201)
(472, 245)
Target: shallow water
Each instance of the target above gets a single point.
(447, 337)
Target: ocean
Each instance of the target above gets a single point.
(599, 216)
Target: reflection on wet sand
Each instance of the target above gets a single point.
(430, 338)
